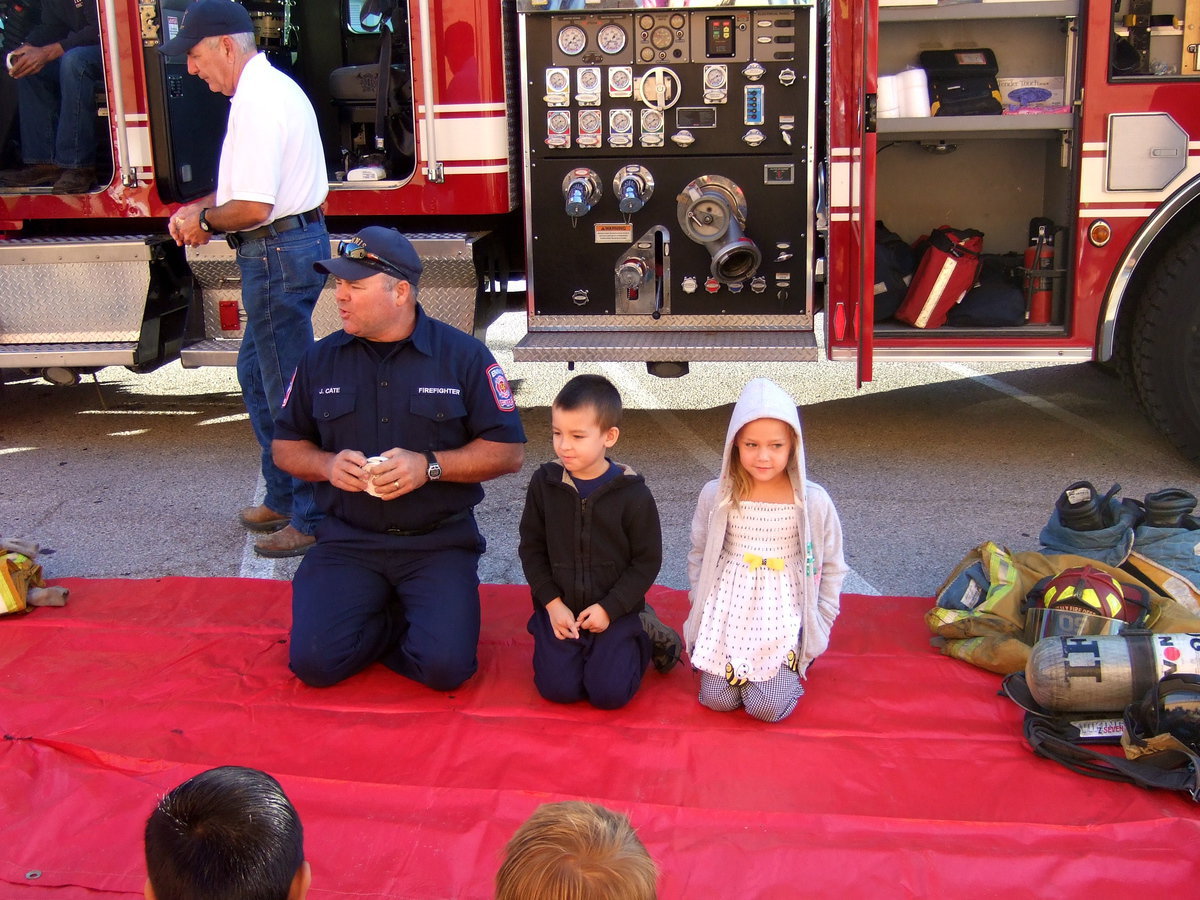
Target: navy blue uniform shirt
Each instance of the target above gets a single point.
(439, 389)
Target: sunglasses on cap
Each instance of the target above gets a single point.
(353, 249)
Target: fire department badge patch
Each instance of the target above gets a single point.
(500, 388)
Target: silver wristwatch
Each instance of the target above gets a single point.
(434, 472)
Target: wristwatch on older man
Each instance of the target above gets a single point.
(204, 226)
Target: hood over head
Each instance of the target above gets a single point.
(762, 398)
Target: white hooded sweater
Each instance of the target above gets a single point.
(821, 529)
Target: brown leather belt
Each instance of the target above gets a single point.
(235, 239)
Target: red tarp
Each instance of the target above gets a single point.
(901, 773)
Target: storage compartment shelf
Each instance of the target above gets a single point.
(1023, 9)
(1037, 125)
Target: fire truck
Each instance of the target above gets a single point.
(656, 181)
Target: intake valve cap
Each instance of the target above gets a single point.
(368, 467)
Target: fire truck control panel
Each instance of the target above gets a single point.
(668, 153)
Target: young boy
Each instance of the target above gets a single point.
(226, 834)
(576, 849)
(591, 547)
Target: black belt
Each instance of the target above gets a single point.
(235, 239)
(457, 517)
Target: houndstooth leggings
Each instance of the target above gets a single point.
(769, 700)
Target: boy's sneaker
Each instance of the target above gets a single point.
(667, 645)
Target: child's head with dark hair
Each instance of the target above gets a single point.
(595, 391)
(576, 851)
(227, 834)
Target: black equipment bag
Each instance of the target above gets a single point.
(962, 82)
(895, 263)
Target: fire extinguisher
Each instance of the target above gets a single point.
(1039, 255)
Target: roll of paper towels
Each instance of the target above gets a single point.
(914, 93)
(888, 103)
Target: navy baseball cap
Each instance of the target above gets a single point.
(374, 249)
(207, 18)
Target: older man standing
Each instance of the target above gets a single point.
(398, 418)
(271, 182)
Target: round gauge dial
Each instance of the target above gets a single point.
(589, 80)
(611, 38)
(651, 120)
(661, 37)
(572, 40)
(715, 77)
(620, 121)
(646, 22)
(706, 219)
(677, 20)
(589, 120)
(559, 122)
(620, 79)
(557, 80)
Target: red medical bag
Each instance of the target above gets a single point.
(946, 272)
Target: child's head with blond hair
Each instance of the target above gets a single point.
(576, 851)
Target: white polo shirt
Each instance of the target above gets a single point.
(272, 150)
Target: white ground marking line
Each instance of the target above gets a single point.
(253, 565)
(695, 447)
(1040, 404)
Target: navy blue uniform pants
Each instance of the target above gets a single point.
(605, 669)
(357, 599)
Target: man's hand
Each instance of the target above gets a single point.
(402, 473)
(594, 619)
(27, 60)
(346, 473)
(184, 226)
(562, 620)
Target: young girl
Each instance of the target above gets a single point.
(766, 564)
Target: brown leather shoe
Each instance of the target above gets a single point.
(262, 519)
(285, 542)
(38, 175)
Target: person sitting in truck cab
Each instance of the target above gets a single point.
(58, 71)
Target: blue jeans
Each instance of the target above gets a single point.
(279, 290)
(605, 669)
(58, 110)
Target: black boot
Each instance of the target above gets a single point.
(1168, 507)
(1081, 509)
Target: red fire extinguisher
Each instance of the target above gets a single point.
(1039, 255)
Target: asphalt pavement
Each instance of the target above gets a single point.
(141, 476)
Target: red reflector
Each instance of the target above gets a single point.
(231, 315)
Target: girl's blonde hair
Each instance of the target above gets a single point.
(576, 851)
(741, 484)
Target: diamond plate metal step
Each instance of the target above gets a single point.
(41, 356)
(667, 346)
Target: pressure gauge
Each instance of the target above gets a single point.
(590, 121)
(620, 81)
(661, 37)
(611, 38)
(715, 77)
(558, 122)
(589, 80)
(646, 22)
(620, 121)
(572, 40)
(652, 120)
(677, 20)
(557, 80)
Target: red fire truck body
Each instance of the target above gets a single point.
(661, 182)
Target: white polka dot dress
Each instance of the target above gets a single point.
(752, 618)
